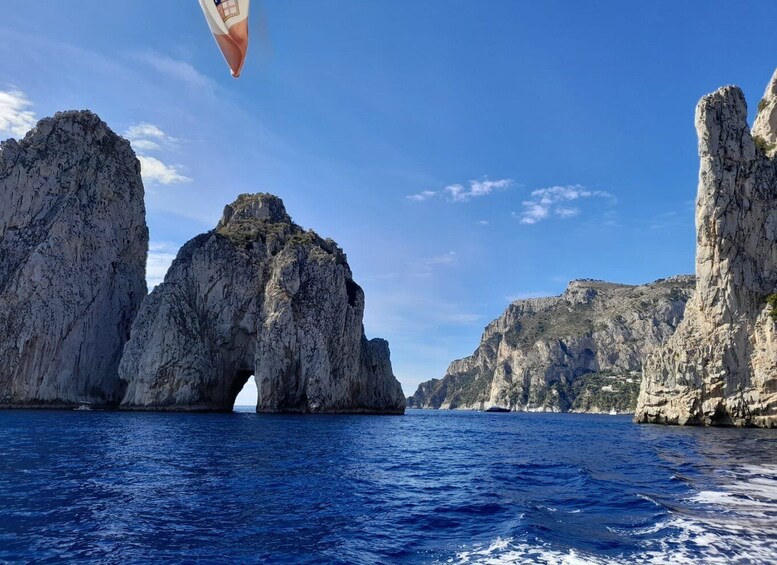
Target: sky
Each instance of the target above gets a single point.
(463, 154)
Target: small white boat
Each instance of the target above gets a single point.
(84, 406)
(613, 412)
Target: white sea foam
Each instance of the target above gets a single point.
(736, 522)
(505, 551)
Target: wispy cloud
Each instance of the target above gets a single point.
(483, 222)
(462, 319)
(426, 267)
(461, 193)
(401, 311)
(146, 145)
(174, 68)
(557, 201)
(145, 138)
(567, 212)
(421, 196)
(155, 171)
(160, 256)
(444, 260)
(421, 268)
(16, 118)
(680, 217)
(146, 130)
(477, 188)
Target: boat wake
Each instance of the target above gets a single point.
(736, 522)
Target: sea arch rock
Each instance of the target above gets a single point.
(258, 296)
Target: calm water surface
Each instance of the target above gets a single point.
(428, 487)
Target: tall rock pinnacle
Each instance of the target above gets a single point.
(720, 367)
(73, 244)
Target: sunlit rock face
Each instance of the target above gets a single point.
(73, 245)
(258, 296)
(720, 367)
(765, 125)
(581, 351)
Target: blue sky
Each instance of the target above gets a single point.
(464, 154)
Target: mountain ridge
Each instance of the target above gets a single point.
(535, 354)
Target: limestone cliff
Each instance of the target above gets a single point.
(581, 351)
(73, 244)
(720, 367)
(258, 296)
(765, 125)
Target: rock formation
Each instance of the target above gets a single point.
(258, 296)
(581, 351)
(720, 367)
(765, 125)
(73, 244)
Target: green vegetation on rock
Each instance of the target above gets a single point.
(771, 300)
(763, 145)
(244, 233)
(605, 391)
(306, 238)
(547, 324)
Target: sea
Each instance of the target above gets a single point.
(427, 487)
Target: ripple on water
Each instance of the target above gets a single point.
(427, 487)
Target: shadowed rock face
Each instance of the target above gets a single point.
(720, 367)
(581, 351)
(73, 244)
(258, 296)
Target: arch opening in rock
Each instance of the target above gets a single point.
(244, 391)
(258, 293)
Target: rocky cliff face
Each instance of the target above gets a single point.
(581, 351)
(721, 365)
(73, 244)
(258, 296)
(765, 125)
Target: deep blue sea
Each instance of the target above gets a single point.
(427, 487)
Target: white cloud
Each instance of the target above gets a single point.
(461, 193)
(16, 118)
(481, 188)
(160, 257)
(477, 188)
(484, 222)
(145, 145)
(148, 137)
(533, 213)
(456, 191)
(144, 129)
(421, 196)
(567, 212)
(145, 138)
(554, 201)
(155, 171)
